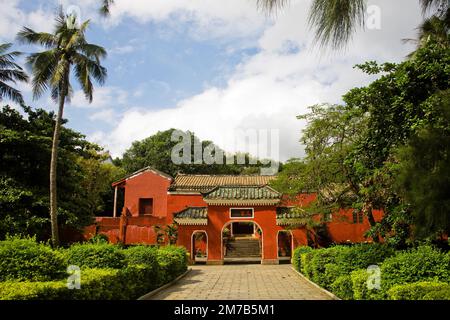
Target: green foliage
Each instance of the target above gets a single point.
(420, 291)
(361, 290)
(99, 255)
(361, 256)
(422, 264)
(83, 182)
(172, 261)
(13, 290)
(297, 256)
(156, 151)
(25, 259)
(343, 287)
(424, 174)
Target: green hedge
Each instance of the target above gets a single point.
(420, 291)
(27, 260)
(147, 256)
(100, 255)
(172, 261)
(297, 256)
(325, 266)
(422, 264)
(361, 290)
(96, 284)
(343, 269)
(32, 271)
(343, 287)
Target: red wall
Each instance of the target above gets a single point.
(147, 185)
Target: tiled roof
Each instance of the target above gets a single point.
(242, 195)
(146, 169)
(185, 182)
(288, 216)
(192, 216)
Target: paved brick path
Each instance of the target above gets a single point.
(242, 282)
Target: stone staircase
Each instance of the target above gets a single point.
(244, 248)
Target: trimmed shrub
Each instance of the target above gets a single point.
(420, 291)
(320, 259)
(96, 256)
(96, 284)
(361, 290)
(361, 256)
(297, 256)
(343, 287)
(12, 290)
(146, 256)
(172, 261)
(422, 264)
(306, 267)
(27, 260)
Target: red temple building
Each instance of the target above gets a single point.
(220, 218)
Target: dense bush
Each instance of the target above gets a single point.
(420, 291)
(27, 260)
(361, 290)
(297, 256)
(148, 257)
(343, 287)
(99, 255)
(422, 264)
(361, 256)
(172, 261)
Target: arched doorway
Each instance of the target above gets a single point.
(199, 247)
(242, 242)
(285, 245)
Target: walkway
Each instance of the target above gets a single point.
(242, 282)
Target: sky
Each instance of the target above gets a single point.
(212, 67)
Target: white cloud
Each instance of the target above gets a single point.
(269, 89)
(103, 97)
(106, 115)
(12, 19)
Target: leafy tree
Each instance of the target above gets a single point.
(10, 72)
(67, 50)
(424, 174)
(84, 180)
(352, 158)
(156, 151)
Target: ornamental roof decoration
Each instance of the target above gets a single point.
(242, 196)
(287, 216)
(194, 216)
(204, 183)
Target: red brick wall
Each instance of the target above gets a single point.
(147, 185)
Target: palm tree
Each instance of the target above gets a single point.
(10, 72)
(105, 7)
(66, 51)
(336, 21)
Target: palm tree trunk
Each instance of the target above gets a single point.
(53, 172)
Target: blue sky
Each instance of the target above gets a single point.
(210, 68)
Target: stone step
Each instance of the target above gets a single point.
(244, 248)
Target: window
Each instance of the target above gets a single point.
(241, 213)
(358, 217)
(145, 207)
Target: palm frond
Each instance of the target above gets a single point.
(272, 5)
(10, 72)
(10, 93)
(336, 20)
(43, 65)
(29, 36)
(105, 7)
(440, 6)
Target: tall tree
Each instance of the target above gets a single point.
(336, 21)
(10, 72)
(67, 51)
